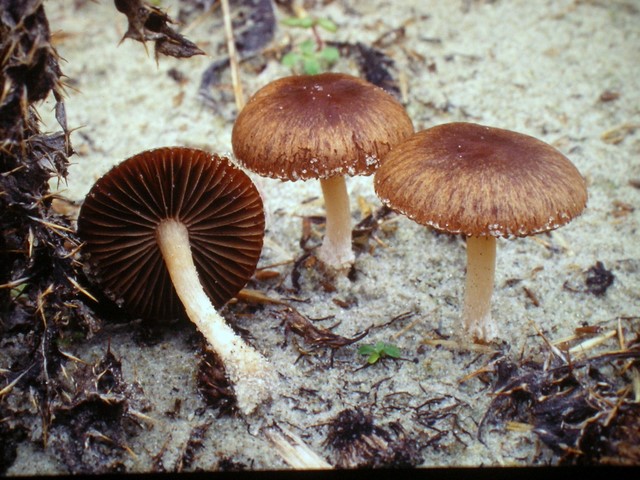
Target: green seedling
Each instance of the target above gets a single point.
(311, 22)
(378, 351)
(311, 56)
(17, 287)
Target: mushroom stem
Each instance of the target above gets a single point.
(249, 372)
(336, 250)
(481, 265)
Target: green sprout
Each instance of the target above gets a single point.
(378, 351)
(17, 287)
(312, 55)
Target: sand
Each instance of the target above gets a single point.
(563, 71)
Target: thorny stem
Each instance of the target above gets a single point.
(481, 264)
(249, 372)
(336, 250)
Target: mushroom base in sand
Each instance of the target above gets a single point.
(336, 250)
(481, 265)
(252, 377)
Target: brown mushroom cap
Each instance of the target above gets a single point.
(318, 126)
(476, 180)
(216, 201)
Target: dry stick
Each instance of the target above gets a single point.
(291, 448)
(233, 56)
(294, 450)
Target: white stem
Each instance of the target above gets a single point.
(249, 372)
(336, 250)
(481, 265)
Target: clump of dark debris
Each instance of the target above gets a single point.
(147, 23)
(94, 416)
(584, 408)
(214, 385)
(188, 453)
(41, 307)
(360, 443)
(597, 280)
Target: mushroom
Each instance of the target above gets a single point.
(321, 126)
(482, 182)
(176, 230)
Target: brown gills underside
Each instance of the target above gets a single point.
(216, 201)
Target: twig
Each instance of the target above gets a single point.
(294, 451)
(461, 347)
(9, 387)
(581, 348)
(233, 56)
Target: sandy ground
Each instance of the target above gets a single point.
(563, 71)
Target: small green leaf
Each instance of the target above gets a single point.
(327, 24)
(308, 47)
(373, 358)
(290, 59)
(391, 351)
(366, 350)
(16, 291)
(303, 22)
(329, 54)
(311, 65)
(378, 351)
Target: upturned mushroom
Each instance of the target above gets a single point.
(323, 127)
(177, 230)
(484, 183)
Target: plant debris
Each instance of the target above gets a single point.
(317, 337)
(227, 464)
(609, 96)
(375, 66)
(360, 443)
(40, 281)
(254, 26)
(365, 230)
(95, 417)
(597, 280)
(192, 447)
(147, 23)
(214, 385)
(584, 409)
(368, 227)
